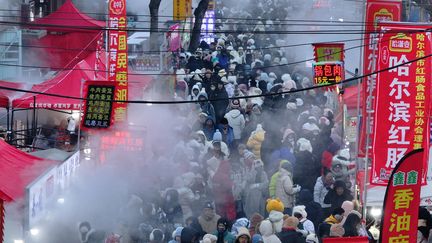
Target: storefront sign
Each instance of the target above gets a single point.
(326, 73)
(147, 63)
(99, 104)
(126, 141)
(376, 11)
(118, 55)
(402, 200)
(403, 100)
(328, 52)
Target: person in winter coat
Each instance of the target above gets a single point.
(195, 92)
(342, 168)
(306, 168)
(424, 227)
(206, 106)
(338, 195)
(305, 226)
(352, 225)
(209, 128)
(274, 180)
(222, 232)
(256, 190)
(322, 186)
(289, 232)
(255, 221)
(89, 235)
(227, 133)
(328, 154)
(188, 235)
(236, 120)
(255, 141)
(285, 190)
(285, 152)
(176, 236)
(172, 207)
(243, 236)
(312, 208)
(222, 184)
(219, 101)
(208, 218)
(324, 229)
(209, 238)
(268, 233)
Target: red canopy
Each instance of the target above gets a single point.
(64, 45)
(6, 95)
(67, 83)
(18, 170)
(68, 19)
(350, 97)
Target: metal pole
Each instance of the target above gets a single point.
(80, 118)
(34, 119)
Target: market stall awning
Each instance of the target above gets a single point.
(7, 95)
(68, 18)
(70, 37)
(17, 170)
(65, 83)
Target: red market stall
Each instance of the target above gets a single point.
(68, 32)
(17, 170)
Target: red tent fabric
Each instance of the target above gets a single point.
(64, 45)
(6, 95)
(350, 97)
(18, 170)
(68, 19)
(67, 83)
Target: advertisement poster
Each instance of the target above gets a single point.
(375, 11)
(403, 98)
(402, 200)
(328, 52)
(99, 104)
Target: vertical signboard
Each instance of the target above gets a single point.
(179, 9)
(118, 56)
(403, 100)
(99, 104)
(375, 11)
(402, 200)
(326, 73)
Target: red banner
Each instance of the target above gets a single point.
(329, 52)
(346, 239)
(402, 200)
(402, 99)
(118, 55)
(98, 62)
(328, 73)
(375, 11)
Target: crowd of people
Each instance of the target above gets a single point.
(261, 160)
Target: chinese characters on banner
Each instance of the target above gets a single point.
(375, 11)
(403, 100)
(98, 107)
(328, 73)
(182, 9)
(328, 52)
(402, 200)
(126, 141)
(118, 56)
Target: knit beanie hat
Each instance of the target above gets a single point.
(217, 136)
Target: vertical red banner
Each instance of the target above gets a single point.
(402, 99)
(402, 200)
(118, 55)
(375, 11)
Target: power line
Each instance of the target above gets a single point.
(221, 99)
(170, 74)
(161, 30)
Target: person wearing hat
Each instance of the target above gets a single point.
(220, 181)
(289, 232)
(206, 106)
(285, 188)
(176, 235)
(243, 236)
(339, 194)
(208, 218)
(307, 168)
(227, 133)
(306, 227)
(219, 100)
(255, 141)
(334, 219)
(236, 120)
(222, 232)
